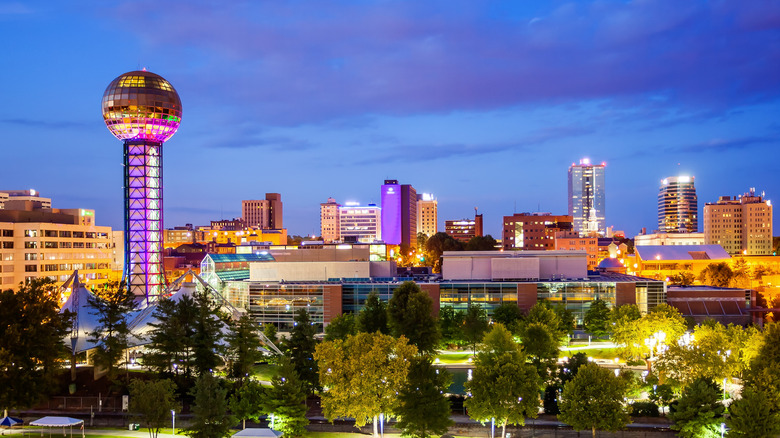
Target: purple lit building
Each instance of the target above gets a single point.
(399, 214)
(143, 110)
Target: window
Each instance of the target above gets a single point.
(66, 245)
(30, 244)
(78, 234)
(50, 245)
(90, 235)
(78, 244)
(65, 234)
(30, 233)
(30, 268)
(8, 245)
(8, 233)
(49, 268)
(30, 256)
(50, 233)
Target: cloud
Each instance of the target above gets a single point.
(47, 124)
(294, 64)
(725, 144)
(423, 153)
(278, 144)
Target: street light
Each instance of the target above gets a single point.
(173, 421)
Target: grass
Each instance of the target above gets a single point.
(265, 371)
(596, 353)
(460, 357)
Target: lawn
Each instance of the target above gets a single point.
(265, 371)
(457, 357)
(596, 353)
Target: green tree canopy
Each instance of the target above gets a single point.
(111, 306)
(243, 347)
(246, 403)
(300, 347)
(286, 402)
(481, 243)
(373, 316)
(32, 332)
(475, 324)
(508, 314)
(765, 362)
(682, 278)
(753, 416)
(717, 274)
(423, 410)
(594, 400)
(503, 385)
(437, 244)
(210, 417)
(341, 327)
(361, 376)
(153, 401)
(698, 412)
(410, 314)
(596, 320)
(451, 325)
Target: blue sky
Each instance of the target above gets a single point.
(484, 104)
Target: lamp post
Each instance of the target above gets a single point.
(173, 421)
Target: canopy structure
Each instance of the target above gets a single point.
(258, 432)
(9, 421)
(56, 422)
(84, 321)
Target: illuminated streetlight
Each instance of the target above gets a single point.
(173, 421)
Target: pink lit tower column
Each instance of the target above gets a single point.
(143, 110)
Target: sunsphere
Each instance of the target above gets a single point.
(143, 110)
(141, 105)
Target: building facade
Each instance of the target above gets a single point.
(572, 241)
(534, 231)
(427, 214)
(587, 197)
(51, 244)
(399, 214)
(669, 239)
(263, 213)
(741, 225)
(330, 227)
(464, 229)
(678, 207)
(360, 223)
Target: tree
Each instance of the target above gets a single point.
(437, 244)
(423, 409)
(286, 402)
(475, 324)
(270, 331)
(361, 376)
(185, 340)
(300, 348)
(481, 243)
(508, 314)
(625, 330)
(765, 362)
(210, 418)
(664, 324)
(543, 313)
(31, 342)
(594, 400)
(243, 347)
(662, 395)
(153, 401)
(682, 278)
(246, 403)
(698, 411)
(503, 385)
(410, 314)
(451, 325)
(373, 317)
(596, 320)
(717, 274)
(753, 416)
(341, 327)
(111, 306)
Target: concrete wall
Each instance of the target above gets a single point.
(307, 271)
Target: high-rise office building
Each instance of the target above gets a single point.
(143, 110)
(399, 214)
(586, 197)
(329, 221)
(427, 214)
(678, 206)
(741, 225)
(23, 199)
(360, 224)
(533, 231)
(265, 213)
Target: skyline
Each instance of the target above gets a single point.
(483, 106)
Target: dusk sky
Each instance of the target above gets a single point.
(484, 104)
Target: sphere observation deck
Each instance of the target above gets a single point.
(142, 106)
